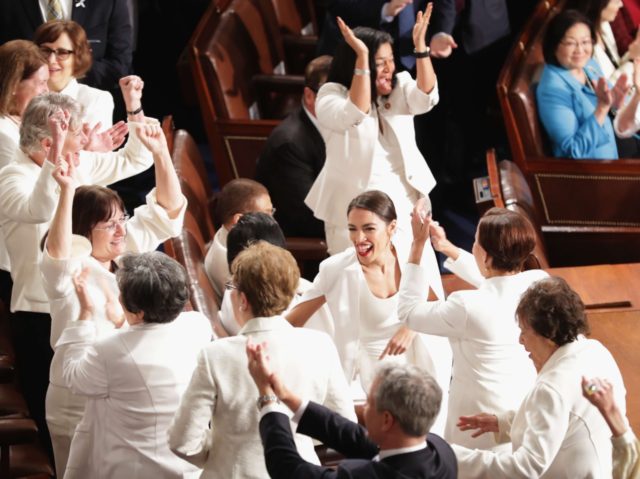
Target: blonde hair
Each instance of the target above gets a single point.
(268, 276)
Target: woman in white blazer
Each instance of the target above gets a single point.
(64, 44)
(365, 113)
(555, 433)
(480, 324)
(133, 380)
(360, 286)
(91, 229)
(216, 426)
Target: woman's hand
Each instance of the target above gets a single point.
(482, 423)
(65, 174)
(354, 42)
(399, 342)
(259, 367)
(634, 47)
(599, 392)
(113, 308)
(420, 28)
(106, 141)
(636, 73)
(59, 127)
(619, 92)
(132, 87)
(152, 137)
(86, 304)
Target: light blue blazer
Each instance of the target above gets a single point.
(566, 110)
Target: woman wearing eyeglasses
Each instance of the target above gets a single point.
(574, 98)
(64, 44)
(91, 229)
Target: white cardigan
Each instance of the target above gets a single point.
(216, 426)
(350, 137)
(556, 433)
(484, 336)
(28, 199)
(9, 139)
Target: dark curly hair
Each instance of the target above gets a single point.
(553, 310)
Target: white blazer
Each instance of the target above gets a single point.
(9, 139)
(28, 199)
(133, 381)
(350, 137)
(481, 326)
(216, 426)
(556, 433)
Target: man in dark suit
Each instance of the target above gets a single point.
(108, 27)
(293, 157)
(401, 406)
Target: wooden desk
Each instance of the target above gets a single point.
(618, 328)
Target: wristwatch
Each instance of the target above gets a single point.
(268, 399)
(424, 54)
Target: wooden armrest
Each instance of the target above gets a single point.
(17, 431)
(278, 83)
(306, 249)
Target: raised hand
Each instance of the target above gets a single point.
(442, 45)
(86, 303)
(420, 28)
(394, 7)
(634, 47)
(481, 423)
(59, 127)
(108, 140)
(636, 74)
(619, 92)
(153, 138)
(259, 367)
(604, 94)
(65, 174)
(131, 87)
(354, 42)
(399, 342)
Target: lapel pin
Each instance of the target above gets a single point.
(80, 4)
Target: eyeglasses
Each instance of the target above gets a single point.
(573, 44)
(113, 224)
(60, 53)
(229, 285)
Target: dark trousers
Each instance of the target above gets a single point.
(31, 334)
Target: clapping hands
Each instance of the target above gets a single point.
(108, 140)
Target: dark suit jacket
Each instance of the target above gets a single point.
(108, 27)
(351, 440)
(289, 164)
(355, 13)
(482, 22)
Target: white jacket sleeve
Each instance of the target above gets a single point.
(150, 225)
(442, 318)
(190, 434)
(418, 102)
(23, 201)
(465, 267)
(84, 371)
(335, 110)
(338, 397)
(546, 427)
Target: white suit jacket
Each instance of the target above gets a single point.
(9, 139)
(28, 199)
(133, 381)
(350, 137)
(484, 335)
(556, 433)
(222, 393)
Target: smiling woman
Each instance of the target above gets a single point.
(65, 46)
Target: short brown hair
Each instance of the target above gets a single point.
(49, 32)
(507, 237)
(91, 205)
(19, 60)
(317, 71)
(238, 196)
(268, 276)
(553, 310)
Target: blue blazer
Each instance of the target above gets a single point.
(566, 110)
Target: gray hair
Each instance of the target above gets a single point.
(410, 394)
(35, 120)
(152, 283)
